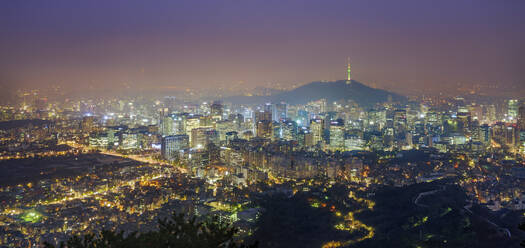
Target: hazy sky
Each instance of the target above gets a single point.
(413, 44)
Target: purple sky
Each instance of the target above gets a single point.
(411, 44)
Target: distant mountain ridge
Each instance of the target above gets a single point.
(331, 91)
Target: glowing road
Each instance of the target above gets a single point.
(351, 224)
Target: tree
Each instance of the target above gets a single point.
(177, 231)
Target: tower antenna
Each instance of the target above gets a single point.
(348, 75)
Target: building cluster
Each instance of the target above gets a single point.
(209, 156)
(454, 125)
(106, 193)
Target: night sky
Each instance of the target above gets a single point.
(176, 44)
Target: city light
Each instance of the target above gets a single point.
(262, 124)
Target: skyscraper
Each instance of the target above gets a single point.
(201, 137)
(400, 121)
(304, 137)
(280, 112)
(521, 128)
(216, 111)
(263, 116)
(167, 125)
(337, 135)
(521, 117)
(170, 103)
(192, 122)
(512, 110)
(303, 118)
(486, 134)
(171, 145)
(264, 129)
(317, 129)
(288, 130)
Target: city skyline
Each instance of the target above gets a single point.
(271, 124)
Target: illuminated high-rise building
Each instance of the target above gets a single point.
(279, 112)
(317, 130)
(277, 130)
(504, 133)
(263, 116)
(490, 115)
(475, 132)
(304, 137)
(400, 121)
(303, 118)
(512, 110)
(486, 134)
(201, 137)
(224, 127)
(178, 123)
(288, 130)
(167, 126)
(216, 111)
(433, 118)
(376, 120)
(237, 120)
(521, 117)
(172, 145)
(170, 103)
(205, 121)
(264, 129)
(464, 121)
(337, 135)
(191, 122)
(521, 129)
(476, 111)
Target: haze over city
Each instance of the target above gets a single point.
(399, 45)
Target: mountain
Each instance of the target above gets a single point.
(331, 91)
